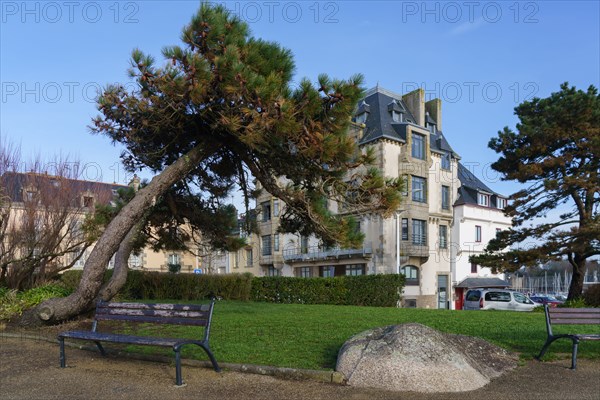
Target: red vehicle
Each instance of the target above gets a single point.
(546, 299)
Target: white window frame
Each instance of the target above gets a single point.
(483, 199)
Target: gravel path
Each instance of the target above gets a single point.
(29, 370)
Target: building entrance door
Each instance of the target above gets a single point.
(443, 291)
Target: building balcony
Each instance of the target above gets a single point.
(318, 253)
(414, 250)
(270, 259)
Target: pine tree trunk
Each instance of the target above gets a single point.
(56, 310)
(576, 287)
(119, 275)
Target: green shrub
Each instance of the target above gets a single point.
(577, 303)
(160, 286)
(70, 279)
(366, 290)
(592, 296)
(13, 303)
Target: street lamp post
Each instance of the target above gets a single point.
(397, 216)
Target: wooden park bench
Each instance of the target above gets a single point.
(570, 316)
(175, 314)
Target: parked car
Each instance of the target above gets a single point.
(546, 299)
(561, 297)
(497, 299)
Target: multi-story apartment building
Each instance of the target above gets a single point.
(406, 133)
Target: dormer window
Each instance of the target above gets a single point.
(501, 203)
(397, 110)
(30, 195)
(483, 199)
(88, 201)
(361, 118)
(362, 113)
(430, 123)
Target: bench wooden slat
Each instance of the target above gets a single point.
(575, 321)
(152, 319)
(559, 310)
(116, 338)
(575, 316)
(154, 313)
(589, 337)
(146, 306)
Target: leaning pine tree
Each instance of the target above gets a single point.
(221, 112)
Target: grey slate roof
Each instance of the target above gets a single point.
(380, 124)
(470, 185)
(483, 283)
(13, 184)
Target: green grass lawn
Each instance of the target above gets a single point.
(310, 336)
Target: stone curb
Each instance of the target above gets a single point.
(278, 372)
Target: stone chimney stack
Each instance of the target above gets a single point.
(415, 101)
(434, 108)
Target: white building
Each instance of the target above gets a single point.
(478, 216)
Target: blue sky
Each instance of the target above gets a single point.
(481, 58)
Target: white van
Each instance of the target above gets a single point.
(497, 299)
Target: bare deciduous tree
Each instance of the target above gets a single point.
(44, 224)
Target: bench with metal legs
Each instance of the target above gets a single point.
(570, 316)
(177, 314)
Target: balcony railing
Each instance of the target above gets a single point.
(320, 253)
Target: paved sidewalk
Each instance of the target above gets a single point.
(29, 370)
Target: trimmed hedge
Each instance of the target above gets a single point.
(161, 286)
(364, 290)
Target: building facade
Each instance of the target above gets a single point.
(479, 216)
(406, 133)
